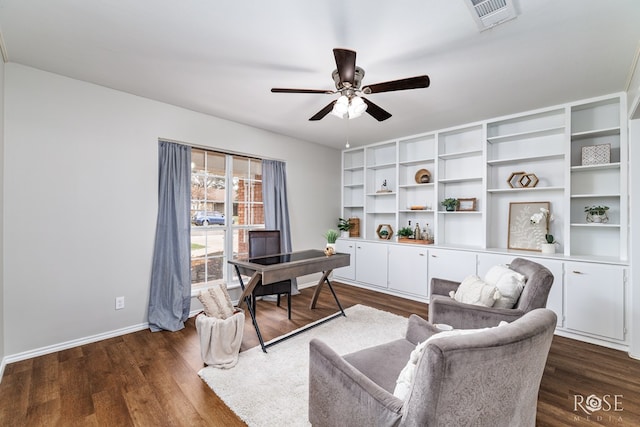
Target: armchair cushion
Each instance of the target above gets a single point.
(487, 378)
(509, 283)
(382, 363)
(405, 379)
(474, 290)
(443, 309)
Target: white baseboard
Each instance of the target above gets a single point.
(70, 344)
(87, 340)
(2, 365)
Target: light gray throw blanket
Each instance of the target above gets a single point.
(220, 339)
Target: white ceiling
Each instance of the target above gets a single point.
(222, 57)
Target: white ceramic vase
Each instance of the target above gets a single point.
(548, 248)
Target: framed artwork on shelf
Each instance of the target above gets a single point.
(525, 234)
(384, 231)
(467, 204)
(596, 154)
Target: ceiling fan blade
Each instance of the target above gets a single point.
(346, 64)
(402, 84)
(326, 110)
(376, 112)
(285, 90)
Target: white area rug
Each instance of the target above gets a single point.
(271, 389)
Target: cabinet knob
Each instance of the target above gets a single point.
(421, 254)
(577, 272)
(434, 256)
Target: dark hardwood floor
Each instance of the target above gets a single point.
(150, 379)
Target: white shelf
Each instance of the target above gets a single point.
(513, 160)
(416, 161)
(521, 135)
(589, 168)
(460, 212)
(455, 180)
(390, 193)
(524, 189)
(381, 166)
(591, 196)
(595, 133)
(428, 184)
(595, 225)
(460, 154)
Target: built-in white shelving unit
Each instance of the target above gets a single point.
(476, 161)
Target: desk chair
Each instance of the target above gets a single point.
(263, 243)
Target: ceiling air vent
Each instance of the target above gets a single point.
(489, 13)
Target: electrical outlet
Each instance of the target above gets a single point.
(119, 303)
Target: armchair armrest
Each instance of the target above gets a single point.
(339, 392)
(443, 286)
(418, 329)
(467, 316)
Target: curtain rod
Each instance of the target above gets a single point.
(204, 147)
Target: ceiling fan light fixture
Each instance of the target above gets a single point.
(341, 107)
(356, 107)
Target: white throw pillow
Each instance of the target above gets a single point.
(216, 302)
(405, 379)
(474, 290)
(509, 283)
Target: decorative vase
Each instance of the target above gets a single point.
(344, 234)
(597, 217)
(330, 249)
(548, 248)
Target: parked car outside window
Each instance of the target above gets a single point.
(208, 218)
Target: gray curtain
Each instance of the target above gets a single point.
(276, 208)
(170, 298)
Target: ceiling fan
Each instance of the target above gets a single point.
(348, 78)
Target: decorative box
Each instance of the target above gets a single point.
(596, 154)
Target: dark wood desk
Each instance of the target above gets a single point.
(274, 268)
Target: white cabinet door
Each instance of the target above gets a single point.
(556, 294)
(408, 268)
(451, 264)
(371, 263)
(595, 299)
(554, 302)
(346, 247)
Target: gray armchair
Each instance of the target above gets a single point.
(444, 309)
(491, 377)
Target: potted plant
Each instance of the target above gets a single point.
(597, 213)
(404, 234)
(331, 236)
(549, 247)
(450, 204)
(344, 225)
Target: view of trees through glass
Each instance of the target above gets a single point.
(226, 201)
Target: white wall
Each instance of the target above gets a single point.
(2, 310)
(81, 208)
(634, 208)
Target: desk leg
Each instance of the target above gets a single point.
(316, 294)
(245, 299)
